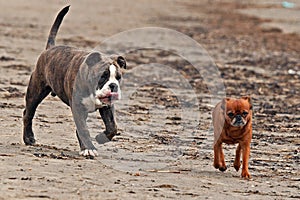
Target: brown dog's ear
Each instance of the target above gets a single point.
(248, 98)
(223, 104)
(121, 62)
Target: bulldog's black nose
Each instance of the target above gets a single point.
(113, 87)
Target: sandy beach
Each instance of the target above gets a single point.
(182, 57)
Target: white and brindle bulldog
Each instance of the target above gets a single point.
(85, 81)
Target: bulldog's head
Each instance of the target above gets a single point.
(108, 89)
(109, 69)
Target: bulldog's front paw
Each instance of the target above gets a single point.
(89, 153)
(102, 138)
(29, 140)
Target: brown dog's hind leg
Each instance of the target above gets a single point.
(36, 92)
(237, 161)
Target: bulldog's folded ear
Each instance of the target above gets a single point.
(93, 58)
(248, 98)
(121, 62)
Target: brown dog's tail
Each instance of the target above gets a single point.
(55, 27)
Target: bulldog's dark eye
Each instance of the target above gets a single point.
(245, 114)
(230, 114)
(118, 77)
(105, 74)
(103, 77)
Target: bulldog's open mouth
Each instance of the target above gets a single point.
(109, 97)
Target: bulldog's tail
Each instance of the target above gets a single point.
(55, 27)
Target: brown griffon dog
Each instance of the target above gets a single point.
(232, 121)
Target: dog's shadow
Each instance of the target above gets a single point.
(228, 175)
(52, 152)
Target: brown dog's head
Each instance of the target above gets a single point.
(237, 111)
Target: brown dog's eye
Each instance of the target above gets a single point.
(245, 114)
(230, 114)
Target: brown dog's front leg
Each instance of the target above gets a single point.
(216, 157)
(219, 160)
(246, 154)
(223, 167)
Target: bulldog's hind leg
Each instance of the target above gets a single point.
(36, 92)
(107, 115)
